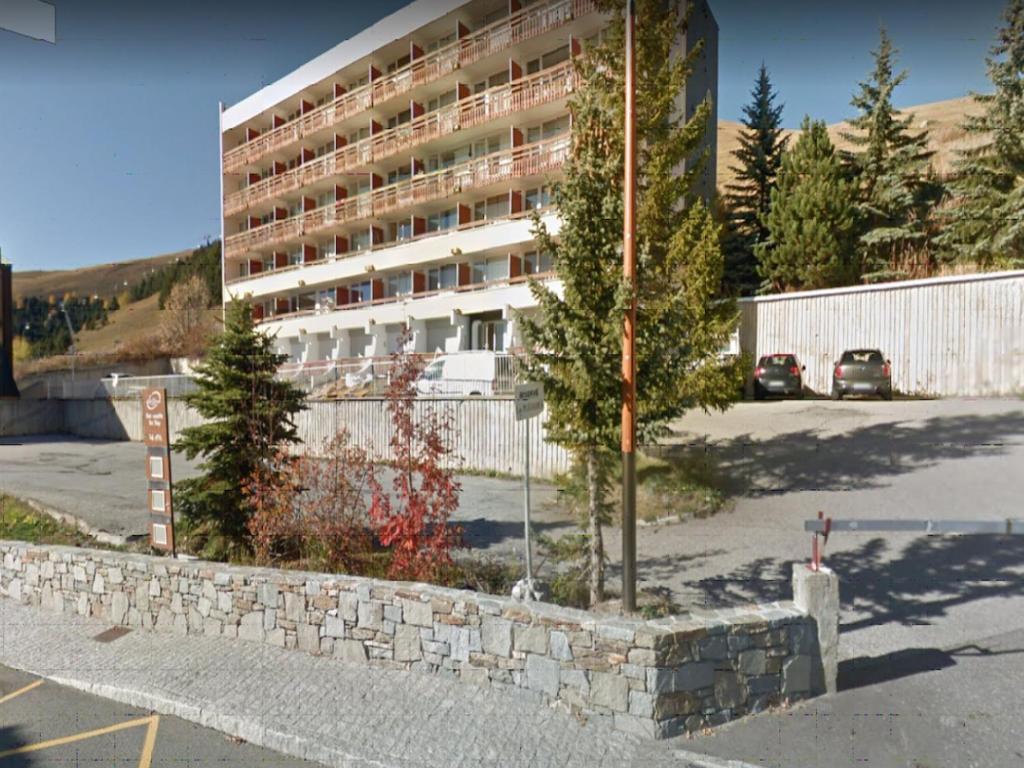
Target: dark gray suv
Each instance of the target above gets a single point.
(779, 374)
(862, 372)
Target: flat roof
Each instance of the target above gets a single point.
(402, 22)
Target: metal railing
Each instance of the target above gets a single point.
(523, 25)
(541, 88)
(328, 258)
(177, 385)
(414, 296)
(519, 162)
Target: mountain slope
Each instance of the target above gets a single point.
(942, 119)
(104, 280)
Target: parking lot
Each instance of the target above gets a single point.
(45, 725)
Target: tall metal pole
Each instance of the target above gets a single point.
(629, 329)
(526, 510)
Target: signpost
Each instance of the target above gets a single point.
(529, 402)
(156, 436)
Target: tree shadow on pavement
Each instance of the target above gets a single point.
(859, 458)
(879, 585)
(12, 737)
(871, 670)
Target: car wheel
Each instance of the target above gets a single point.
(836, 394)
(758, 392)
(887, 395)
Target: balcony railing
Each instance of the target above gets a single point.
(506, 165)
(531, 22)
(540, 88)
(390, 244)
(452, 291)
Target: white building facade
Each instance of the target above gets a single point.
(389, 183)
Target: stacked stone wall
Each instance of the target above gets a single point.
(657, 678)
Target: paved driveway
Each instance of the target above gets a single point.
(103, 482)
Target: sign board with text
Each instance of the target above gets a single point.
(529, 400)
(156, 435)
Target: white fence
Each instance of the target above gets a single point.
(950, 336)
(484, 433)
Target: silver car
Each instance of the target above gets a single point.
(862, 372)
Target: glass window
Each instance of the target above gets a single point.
(538, 197)
(439, 278)
(399, 284)
(535, 263)
(360, 241)
(360, 292)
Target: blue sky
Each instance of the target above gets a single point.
(108, 140)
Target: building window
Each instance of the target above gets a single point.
(443, 221)
(538, 197)
(439, 278)
(535, 263)
(360, 241)
(492, 208)
(360, 292)
(486, 271)
(399, 284)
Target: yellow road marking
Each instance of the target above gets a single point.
(147, 747)
(150, 720)
(20, 691)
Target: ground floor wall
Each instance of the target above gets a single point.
(656, 678)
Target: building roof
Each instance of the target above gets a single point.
(402, 22)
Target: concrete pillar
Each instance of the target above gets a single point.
(816, 593)
(418, 336)
(462, 331)
(379, 335)
(342, 347)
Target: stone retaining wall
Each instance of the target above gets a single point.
(657, 678)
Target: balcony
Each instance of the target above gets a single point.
(442, 300)
(523, 25)
(519, 162)
(544, 87)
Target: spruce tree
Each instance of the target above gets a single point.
(890, 166)
(249, 416)
(575, 338)
(811, 220)
(986, 223)
(762, 143)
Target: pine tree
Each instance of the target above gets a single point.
(890, 165)
(762, 143)
(249, 416)
(575, 338)
(986, 224)
(811, 221)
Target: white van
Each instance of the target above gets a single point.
(468, 373)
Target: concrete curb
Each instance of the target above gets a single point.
(103, 537)
(695, 760)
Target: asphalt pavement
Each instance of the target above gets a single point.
(47, 725)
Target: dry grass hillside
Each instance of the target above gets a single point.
(103, 280)
(942, 119)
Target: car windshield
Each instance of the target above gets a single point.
(786, 361)
(863, 356)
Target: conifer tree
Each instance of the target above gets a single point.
(986, 224)
(890, 166)
(811, 220)
(575, 338)
(762, 143)
(249, 416)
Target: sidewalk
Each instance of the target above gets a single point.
(318, 708)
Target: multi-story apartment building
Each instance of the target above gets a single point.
(389, 182)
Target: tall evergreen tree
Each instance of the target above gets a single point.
(762, 143)
(575, 338)
(986, 224)
(890, 166)
(811, 221)
(249, 415)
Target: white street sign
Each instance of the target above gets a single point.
(529, 400)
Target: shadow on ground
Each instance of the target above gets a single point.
(857, 459)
